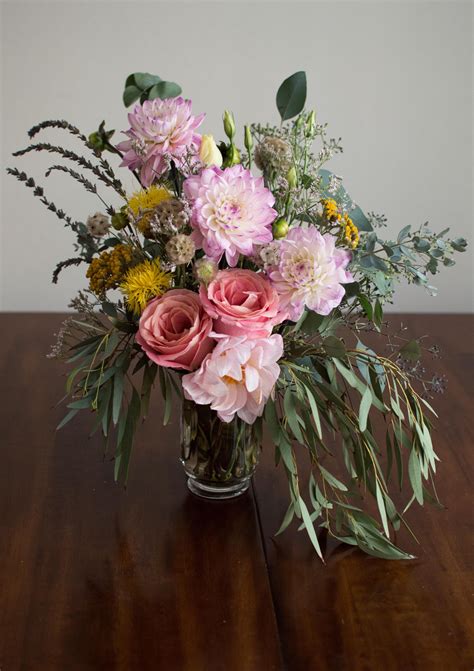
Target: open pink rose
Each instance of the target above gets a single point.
(242, 303)
(174, 330)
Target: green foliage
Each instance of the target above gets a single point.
(144, 86)
(315, 401)
(291, 96)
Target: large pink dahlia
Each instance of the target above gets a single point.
(232, 211)
(237, 378)
(311, 272)
(160, 131)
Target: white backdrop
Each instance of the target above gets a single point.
(393, 79)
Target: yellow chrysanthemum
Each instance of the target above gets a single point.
(143, 204)
(147, 199)
(144, 282)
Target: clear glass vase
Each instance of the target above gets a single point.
(219, 459)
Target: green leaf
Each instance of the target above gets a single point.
(331, 480)
(118, 394)
(291, 415)
(403, 233)
(291, 96)
(311, 322)
(381, 506)
(144, 80)
(286, 453)
(366, 306)
(67, 418)
(334, 347)
(314, 411)
(378, 313)
(290, 513)
(130, 95)
(414, 473)
(364, 409)
(310, 528)
(125, 438)
(164, 90)
(411, 350)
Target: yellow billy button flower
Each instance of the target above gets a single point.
(147, 199)
(143, 282)
(142, 205)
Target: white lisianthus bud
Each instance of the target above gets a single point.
(205, 269)
(209, 152)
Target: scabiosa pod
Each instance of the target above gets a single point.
(311, 272)
(232, 212)
(160, 131)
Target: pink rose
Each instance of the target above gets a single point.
(242, 303)
(174, 330)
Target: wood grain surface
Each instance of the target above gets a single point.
(95, 576)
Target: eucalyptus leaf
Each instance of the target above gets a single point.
(164, 90)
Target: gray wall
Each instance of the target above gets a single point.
(393, 79)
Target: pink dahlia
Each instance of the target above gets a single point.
(232, 212)
(160, 131)
(237, 378)
(311, 272)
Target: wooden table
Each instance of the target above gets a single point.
(93, 576)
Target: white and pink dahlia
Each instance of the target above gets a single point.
(310, 271)
(237, 378)
(232, 212)
(160, 131)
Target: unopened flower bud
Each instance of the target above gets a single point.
(299, 122)
(209, 152)
(248, 139)
(229, 124)
(310, 123)
(119, 220)
(205, 269)
(232, 156)
(280, 228)
(96, 142)
(291, 177)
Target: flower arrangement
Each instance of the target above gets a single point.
(246, 279)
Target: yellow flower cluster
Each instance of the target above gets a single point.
(107, 271)
(351, 232)
(144, 282)
(142, 203)
(330, 209)
(331, 213)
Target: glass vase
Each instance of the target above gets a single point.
(219, 458)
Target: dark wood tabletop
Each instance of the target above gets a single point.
(95, 576)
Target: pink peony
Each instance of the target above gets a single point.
(174, 330)
(237, 378)
(232, 212)
(242, 303)
(160, 131)
(310, 271)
